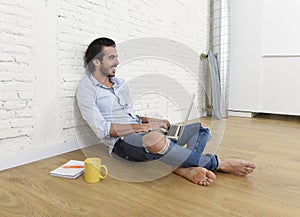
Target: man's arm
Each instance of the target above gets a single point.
(86, 101)
(117, 130)
(148, 124)
(163, 123)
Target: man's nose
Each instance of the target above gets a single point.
(116, 61)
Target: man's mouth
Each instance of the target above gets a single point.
(114, 68)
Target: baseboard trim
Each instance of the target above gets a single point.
(243, 114)
(40, 153)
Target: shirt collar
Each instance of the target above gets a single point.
(96, 83)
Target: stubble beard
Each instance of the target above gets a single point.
(106, 73)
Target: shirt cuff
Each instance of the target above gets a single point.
(107, 129)
(140, 120)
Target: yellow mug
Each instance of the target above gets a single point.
(92, 170)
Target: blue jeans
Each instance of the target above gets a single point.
(194, 135)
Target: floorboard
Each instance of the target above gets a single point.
(272, 142)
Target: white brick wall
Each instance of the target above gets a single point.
(16, 76)
(77, 24)
(183, 21)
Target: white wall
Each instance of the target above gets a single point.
(17, 76)
(280, 35)
(261, 83)
(41, 62)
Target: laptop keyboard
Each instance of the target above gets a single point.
(172, 130)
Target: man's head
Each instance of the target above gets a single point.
(101, 55)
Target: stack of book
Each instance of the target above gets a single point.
(72, 169)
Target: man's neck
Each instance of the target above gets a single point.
(104, 80)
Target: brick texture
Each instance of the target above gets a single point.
(78, 23)
(16, 76)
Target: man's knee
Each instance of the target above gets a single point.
(155, 142)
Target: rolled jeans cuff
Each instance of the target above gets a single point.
(213, 164)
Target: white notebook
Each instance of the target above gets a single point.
(72, 169)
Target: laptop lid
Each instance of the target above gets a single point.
(187, 115)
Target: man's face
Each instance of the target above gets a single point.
(109, 62)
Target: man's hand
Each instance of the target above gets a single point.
(156, 124)
(159, 124)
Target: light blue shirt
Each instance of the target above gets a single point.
(100, 106)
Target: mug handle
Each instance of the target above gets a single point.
(105, 168)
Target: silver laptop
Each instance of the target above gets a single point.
(175, 131)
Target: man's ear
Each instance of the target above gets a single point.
(96, 62)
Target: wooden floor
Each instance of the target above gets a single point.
(272, 190)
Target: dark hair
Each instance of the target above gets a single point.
(94, 50)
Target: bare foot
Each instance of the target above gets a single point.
(236, 166)
(197, 175)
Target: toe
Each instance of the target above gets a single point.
(248, 170)
(251, 165)
(201, 183)
(210, 175)
(241, 173)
